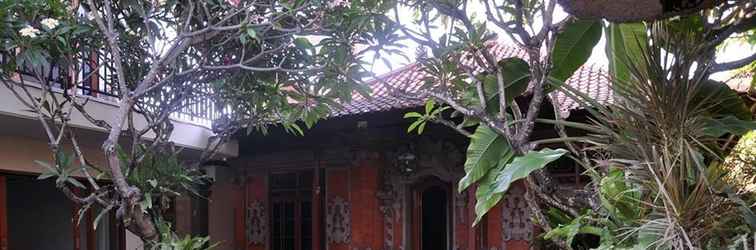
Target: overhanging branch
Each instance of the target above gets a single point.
(719, 67)
(634, 10)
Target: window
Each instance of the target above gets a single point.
(291, 215)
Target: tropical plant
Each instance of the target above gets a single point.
(489, 92)
(741, 164)
(662, 184)
(170, 241)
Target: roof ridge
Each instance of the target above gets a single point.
(391, 73)
(489, 44)
(590, 78)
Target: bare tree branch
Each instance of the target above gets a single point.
(452, 125)
(725, 66)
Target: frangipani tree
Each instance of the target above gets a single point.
(257, 61)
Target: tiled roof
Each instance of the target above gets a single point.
(741, 82)
(590, 80)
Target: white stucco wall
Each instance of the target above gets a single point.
(133, 242)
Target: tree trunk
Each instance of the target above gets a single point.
(633, 10)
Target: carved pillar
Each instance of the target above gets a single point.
(338, 221)
(387, 209)
(255, 212)
(338, 210)
(390, 199)
(256, 222)
(517, 229)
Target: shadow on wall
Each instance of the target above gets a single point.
(39, 215)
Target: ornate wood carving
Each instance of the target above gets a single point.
(390, 197)
(388, 224)
(411, 163)
(439, 158)
(515, 223)
(338, 221)
(256, 223)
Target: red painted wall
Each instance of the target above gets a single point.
(493, 228)
(462, 222)
(239, 200)
(221, 215)
(367, 220)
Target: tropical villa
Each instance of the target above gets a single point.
(356, 181)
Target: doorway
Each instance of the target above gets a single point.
(291, 213)
(35, 209)
(431, 227)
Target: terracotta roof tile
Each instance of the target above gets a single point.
(741, 82)
(590, 79)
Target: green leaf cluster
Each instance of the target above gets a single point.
(491, 164)
(63, 170)
(171, 241)
(432, 112)
(573, 47)
(161, 177)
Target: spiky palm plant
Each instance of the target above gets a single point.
(662, 187)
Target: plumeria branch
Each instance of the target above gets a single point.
(725, 66)
(452, 125)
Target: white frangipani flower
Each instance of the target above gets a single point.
(257, 19)
(50, 23)
(339, 4)
(234, 3)
(29, 31)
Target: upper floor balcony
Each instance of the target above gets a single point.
(192, 122)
